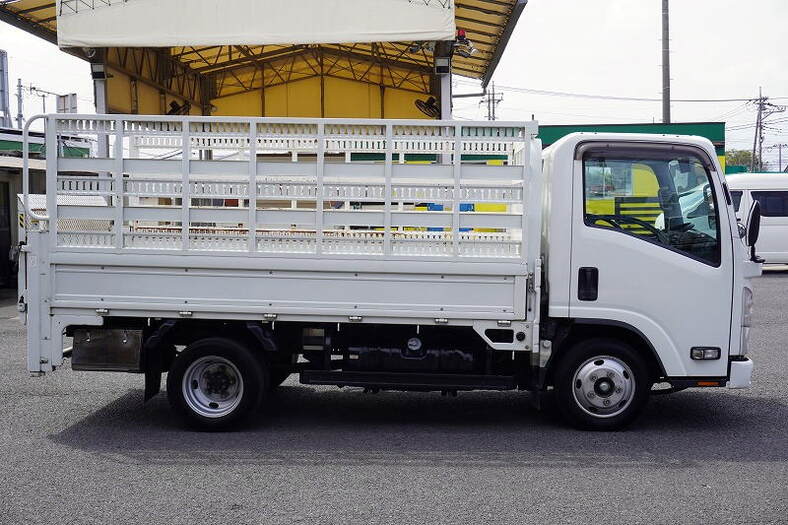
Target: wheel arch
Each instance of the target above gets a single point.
(159, 351)
(184, 332)
(582, 329)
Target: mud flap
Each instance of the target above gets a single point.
(152, 355)
(152, 383)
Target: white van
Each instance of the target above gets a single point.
(771, 191)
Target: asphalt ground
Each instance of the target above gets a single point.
(80, 447)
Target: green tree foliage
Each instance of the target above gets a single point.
(742, 157)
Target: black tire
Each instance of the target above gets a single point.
(601, 384)
(228, 383)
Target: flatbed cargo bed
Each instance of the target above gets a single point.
(157, 223)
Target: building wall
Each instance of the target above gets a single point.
(309, 98)
(139, 98)
(11, 186)
(11, 180)
(714, 131)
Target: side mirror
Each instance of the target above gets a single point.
(754, 229)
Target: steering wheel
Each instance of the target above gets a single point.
(616, 221)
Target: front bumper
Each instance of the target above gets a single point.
(741, 374)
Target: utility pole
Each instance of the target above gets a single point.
(5, 106)
(759, 102)
(779, 148)
(43, 93)
(780, 156)
(20, 117)
(765, 110)
(492, 101)
(666, 61)
(758, 132)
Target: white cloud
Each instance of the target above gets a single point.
(720, 48)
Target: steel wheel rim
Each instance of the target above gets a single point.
(603, 386)
(212, 386)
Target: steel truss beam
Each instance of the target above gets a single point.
(341, 62)
(155, 67)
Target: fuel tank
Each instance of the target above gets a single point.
(412, 356)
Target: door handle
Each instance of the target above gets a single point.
(588, 284)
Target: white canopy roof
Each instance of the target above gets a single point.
(166, 23)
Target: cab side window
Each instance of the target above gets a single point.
(663, 197)
(773, 203)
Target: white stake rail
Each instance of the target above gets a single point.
(294, 186)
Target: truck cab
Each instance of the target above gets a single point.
(651, 253)
(599, 270)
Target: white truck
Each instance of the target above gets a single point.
(230, 253)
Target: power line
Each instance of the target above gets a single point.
(741, 108)
(740, 127)
(552, 93)
(629, 99)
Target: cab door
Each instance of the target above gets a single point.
(650, 251)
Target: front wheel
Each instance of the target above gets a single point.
(215, 383)
(602, 384)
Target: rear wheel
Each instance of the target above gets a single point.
(215, 383)
(602, 384)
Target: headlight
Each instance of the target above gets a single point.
(746, 307)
